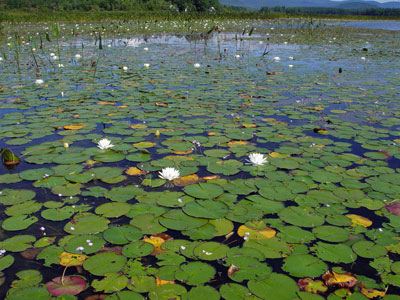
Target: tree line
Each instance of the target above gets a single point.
(379, 12)
(111, 5)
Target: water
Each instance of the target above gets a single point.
(321, 105)
(384, 25)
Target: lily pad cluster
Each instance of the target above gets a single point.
(317, 215)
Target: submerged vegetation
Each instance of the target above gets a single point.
(234, 159)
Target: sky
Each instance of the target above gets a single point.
(381, 1)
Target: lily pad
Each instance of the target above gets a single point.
(210, 251)
(267, 288)
(177, 220)
(18, 222)
(206, 209)
(301, 216)
(103, 263)
(304, 265)
(86, 223)
(203, 190)
(71, 285)
(195, 273)
(369, 249)
(334, 252)
(113, 210)
(120, 235)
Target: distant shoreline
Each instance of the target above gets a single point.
(19, 16)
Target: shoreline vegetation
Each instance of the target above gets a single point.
(47, 15)
(171, 10)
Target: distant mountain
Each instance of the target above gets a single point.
(351, 4)
(357, 5)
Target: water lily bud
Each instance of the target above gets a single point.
(66, 145)
(157, 133)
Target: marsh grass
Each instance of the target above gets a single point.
(67, 16)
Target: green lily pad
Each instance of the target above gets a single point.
(12, 197)
(369, 249)
(123, 194)
(301, 216)
(209, 209)
(198, 292)
(106, 172)
(19, 222)
(142, 283)
(109, 156)
(234, 291)
(125, 295)
(58, 214)
(80, 178)
(28, 293)
(86, 223)
(195, 273)
(89, 243)
(177, 220)
(137, 249)
(203, 190)
(6, 261)
(225, 167)
(36, 174)
(103, 263)
(112, 282)
(69, 158)
(331, 233)
(304, 265)
(210, 251)
(17, 243)
(294, 234)
(246, 268)
(334, 252)
(25, 208)
(148, 223)
(138, 157)
(50, 255)
(120, 235)
(69, 189)
(167, 291)
(267, 288)
(113, 210)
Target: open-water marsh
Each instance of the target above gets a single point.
(95, 116)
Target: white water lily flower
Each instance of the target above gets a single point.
(257, 159)
(146, 65)
(77, 56)
(39, 81)
(104, 144)
(196, 65)
(125, 68)
(169, 173)
(146, 49)
(277, 58)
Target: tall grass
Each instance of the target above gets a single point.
(16, 16)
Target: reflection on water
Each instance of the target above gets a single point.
(385, 25)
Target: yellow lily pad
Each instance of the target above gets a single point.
(359, 220)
